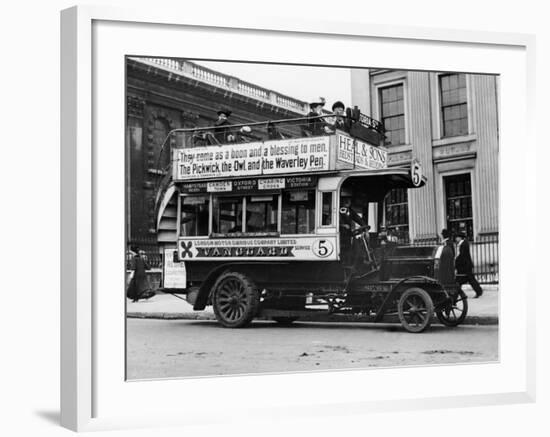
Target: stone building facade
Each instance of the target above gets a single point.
(449, 122)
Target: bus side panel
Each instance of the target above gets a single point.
(307, 276)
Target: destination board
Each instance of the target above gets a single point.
(250, 185)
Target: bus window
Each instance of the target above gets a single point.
(326, 211)
(261, 213)
(298, 212)
(194, 216)
(228, 212)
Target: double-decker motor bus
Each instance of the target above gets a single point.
(275, 220)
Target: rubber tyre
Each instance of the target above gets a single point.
(454, 321)
(420, 301)
(285, 321)
(235, 299)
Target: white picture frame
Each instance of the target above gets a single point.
(93, 394)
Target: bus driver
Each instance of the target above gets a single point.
(350, 221)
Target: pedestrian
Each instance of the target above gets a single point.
(446, 240)
(139, 287)
(464, 265)
(447, 258)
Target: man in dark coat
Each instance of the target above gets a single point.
(447, 258)
(446, 239)
(350, 220)
(338, 120)
(315, 125)
(222, 132)
(464, 265)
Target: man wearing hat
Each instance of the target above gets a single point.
(464, 265)
(337, 121)
(222, 133)
(446, 239)
(316, 125)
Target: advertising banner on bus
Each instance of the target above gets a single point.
(360, 154)
(252, 159)
(317, 248)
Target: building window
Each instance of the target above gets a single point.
(392, 111)
(298, 212)
(454, 106)
(396, 207)
(458, 195)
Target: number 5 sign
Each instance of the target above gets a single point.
(322, 248)
(416, 172)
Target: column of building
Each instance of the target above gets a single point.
(422, 216)
(486, 172)
(135, 173)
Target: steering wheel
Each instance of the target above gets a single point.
(360, 230)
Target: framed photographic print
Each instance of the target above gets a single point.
(251, 226)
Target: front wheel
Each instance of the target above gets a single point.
(455, 311)
(415, 309)
(235, 300)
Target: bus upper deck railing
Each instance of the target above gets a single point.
(271, 130)
(357, 125)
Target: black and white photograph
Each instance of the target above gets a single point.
(294, 218)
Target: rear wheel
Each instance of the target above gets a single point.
(415, 309)
(454, 313)
(235, 300)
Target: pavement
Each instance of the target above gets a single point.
(481, 311)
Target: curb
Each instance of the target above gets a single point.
(470, 320)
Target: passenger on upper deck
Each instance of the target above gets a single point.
(222, 133)
(338, 120)
(316, 126)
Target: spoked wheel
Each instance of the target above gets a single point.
(454, 312)
(285, 320)
(235, 300)
(415, 309)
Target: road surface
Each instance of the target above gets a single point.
(183, 348)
